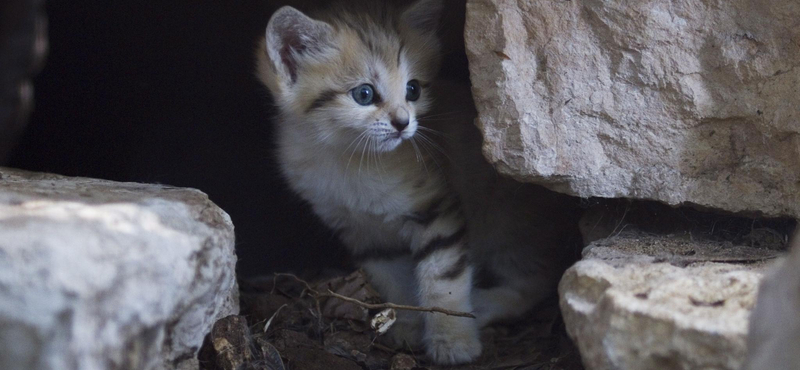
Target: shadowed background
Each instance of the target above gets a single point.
(164, 92)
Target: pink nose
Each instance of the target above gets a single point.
(400, 124)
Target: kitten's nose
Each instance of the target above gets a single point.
(400, 120)
(400, 124)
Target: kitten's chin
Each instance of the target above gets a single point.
(389, 144)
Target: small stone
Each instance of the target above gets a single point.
(402, 361)
(232, 343)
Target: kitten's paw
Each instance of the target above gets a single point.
(454, 348)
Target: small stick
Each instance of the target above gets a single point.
(266, 326)
(372, 306)
(380, 306)
(299, 280)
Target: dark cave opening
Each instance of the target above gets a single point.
(164, 92)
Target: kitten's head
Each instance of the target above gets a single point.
(353, 74)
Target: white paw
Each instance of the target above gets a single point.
(454, 348)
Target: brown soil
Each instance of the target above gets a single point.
(308, 331)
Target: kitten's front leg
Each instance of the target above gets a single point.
(393, 277)
(444, 277)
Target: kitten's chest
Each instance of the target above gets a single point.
(385, 189)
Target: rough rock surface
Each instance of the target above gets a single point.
(102, 275)
(677, 101)
(774, 341)
(645, 302)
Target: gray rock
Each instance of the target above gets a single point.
(691, 101)
(774, 340)
(103, 275)
(647, 302)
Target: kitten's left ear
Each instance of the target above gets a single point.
(291, 36)
(423, 15)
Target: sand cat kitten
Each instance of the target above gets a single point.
(353, 85)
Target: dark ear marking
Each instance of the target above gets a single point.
(290, 35)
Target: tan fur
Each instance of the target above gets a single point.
(354, 62)
(418, 206)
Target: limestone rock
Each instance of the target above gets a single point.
(102, 275)
(774, 340)
(693, 101)
(645, 302)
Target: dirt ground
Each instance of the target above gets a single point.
(292, 323)
(286, 323)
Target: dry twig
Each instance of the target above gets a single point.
(381, 306)
(266, 326)
(374, 306)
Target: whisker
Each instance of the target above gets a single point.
(438, 119)
(434, 145)
(361, 161)
(378, 164)
(435, 132)
(374, 153)
(420, 158)
(440, 114)
(425, 145)
(360, 138)
(430, 130)
(354, 140)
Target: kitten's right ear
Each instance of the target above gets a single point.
(291, 35)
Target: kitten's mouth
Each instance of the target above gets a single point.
(394, 136)
(398, 136)
(390, 141)
(393, 139)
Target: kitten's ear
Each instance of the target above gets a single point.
(291, 35)
(423, 15)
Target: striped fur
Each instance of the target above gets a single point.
(392, 194)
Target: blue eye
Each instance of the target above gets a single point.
(413, 90)
(364, 94)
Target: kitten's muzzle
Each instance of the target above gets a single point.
(400, 124)
(400, 119)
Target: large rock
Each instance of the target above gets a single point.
(774, 340)
(102, 275)
(677, 101)
(645, 302)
